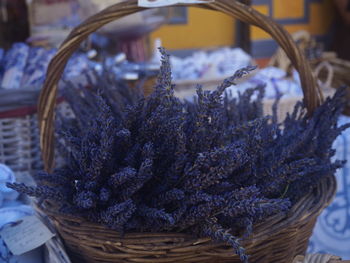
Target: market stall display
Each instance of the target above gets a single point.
(211, 64)
(128, 34)
(22, 74)
(134, 25)
(51, 20)
(206, 68)
(331, 71)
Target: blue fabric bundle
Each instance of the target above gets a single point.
(15, 62)
(25, 67)
(12, 210)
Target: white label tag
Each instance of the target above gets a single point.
(25, 235)
(160, 3)
(102, 4)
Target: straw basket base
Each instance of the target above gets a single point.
(278, 239)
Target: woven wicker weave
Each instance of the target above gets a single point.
(319, 258)
(19, 145)
(278, 239)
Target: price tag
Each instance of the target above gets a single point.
(25, 235)
(160, 3)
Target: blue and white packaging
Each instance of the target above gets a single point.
(12, 210)
(2, 69)
(275, 81)
(35, 55)
(37, 72)
(205, 65)
(15, 62)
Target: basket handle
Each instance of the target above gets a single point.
(47, 100)
(330, 73)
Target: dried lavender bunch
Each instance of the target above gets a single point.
(214, 167)
(38, 191)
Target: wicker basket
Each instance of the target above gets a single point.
(19, 142)
(278, 239)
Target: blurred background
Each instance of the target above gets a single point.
(180, 29)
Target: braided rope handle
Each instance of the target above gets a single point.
(280, 58)
(47, 100)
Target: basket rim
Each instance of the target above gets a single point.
(309, 205)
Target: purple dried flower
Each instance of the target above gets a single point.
(44, 192)
(105, 195)
(124, 175)
(85, 200)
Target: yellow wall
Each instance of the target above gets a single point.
(205, 29)
(320, 17)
